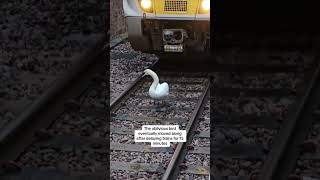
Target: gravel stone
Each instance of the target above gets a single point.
(123, 71)
(124, 175)
(38, 42)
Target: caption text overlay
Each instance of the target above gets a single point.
(160, 135)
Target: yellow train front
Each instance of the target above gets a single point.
(176, 27)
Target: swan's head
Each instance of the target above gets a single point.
(148, 72)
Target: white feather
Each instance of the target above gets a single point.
(157, 90)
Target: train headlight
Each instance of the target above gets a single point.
(205, 6)
(146, 5)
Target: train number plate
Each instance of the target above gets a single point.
(173, 48)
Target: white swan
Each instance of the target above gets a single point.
(157, 91)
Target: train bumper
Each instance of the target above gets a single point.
(169, 35)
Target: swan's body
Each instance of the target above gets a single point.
(160, 91)
(156, 90)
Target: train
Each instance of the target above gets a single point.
(176, 27)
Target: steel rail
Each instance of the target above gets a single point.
(129, 89)
(177, 153)
(282, 157)
(18, 134)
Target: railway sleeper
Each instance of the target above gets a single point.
(51, 174)
(137, 167)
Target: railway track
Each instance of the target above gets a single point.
(195, 159)
(58, 135)
(191, 162)
(244, 141)
(247, 144)
(255, 110)
(49, 44)
(244, 122)
(295, 153)
(134, 108)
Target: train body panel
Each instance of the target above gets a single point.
(178, 27)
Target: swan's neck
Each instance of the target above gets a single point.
(155, 80)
